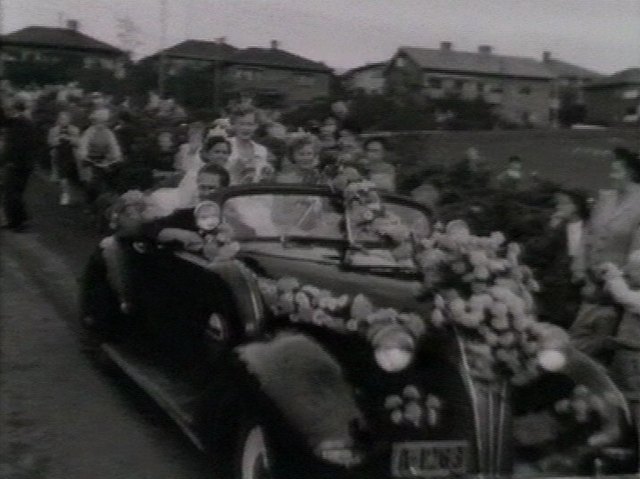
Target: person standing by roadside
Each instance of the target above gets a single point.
(513, 176)
(98, 153)
(20, 146)
(63, 139)
(553, 257)
(612, 236)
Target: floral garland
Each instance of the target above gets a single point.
(481, 290)
(343, 314)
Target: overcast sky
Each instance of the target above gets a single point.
(603, 35)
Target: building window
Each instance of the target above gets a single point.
(630, 94)
(400, 62)
(304, 79)
(458, 85)
(525, 90)
(249, 74)
(107, 63)
(435, 83)
(90, 62)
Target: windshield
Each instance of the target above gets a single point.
(374, 243)
(277, 215)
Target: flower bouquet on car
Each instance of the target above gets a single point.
(369, 221)
(484, 295)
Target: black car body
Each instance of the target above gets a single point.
(312, 400)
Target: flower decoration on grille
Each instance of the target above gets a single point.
(412, 407)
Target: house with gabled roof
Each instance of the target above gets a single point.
(615, 100)
(367, 78)
(276, 76)
(569, 87)
(271, 75)
(60, 51)
(196, 54)
(519, 88)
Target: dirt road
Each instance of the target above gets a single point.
(60, 418)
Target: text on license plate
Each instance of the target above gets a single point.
(429, 458)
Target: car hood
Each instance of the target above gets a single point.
(321, 266)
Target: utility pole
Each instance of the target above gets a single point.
(2, 72)
(163, 38)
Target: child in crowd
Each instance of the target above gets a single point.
(217, 149)
(246, 154)
(127, 216)
(63, 139)
(165, 153)
(188, 156)
(302, 166)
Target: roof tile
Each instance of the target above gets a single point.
(488, 64)
(58, 38)
(201, 49)
(275, 57)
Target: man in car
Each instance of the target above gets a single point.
(180, 226)
(211, 178)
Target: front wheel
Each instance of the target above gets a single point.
(253, 460)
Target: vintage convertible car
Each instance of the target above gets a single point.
(271, 389)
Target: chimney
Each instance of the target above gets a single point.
(221, 40)
(73, 25)
(446, 46)
(485, 49)
(546, 56)
(275, 44)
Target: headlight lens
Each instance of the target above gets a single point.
(393, 359)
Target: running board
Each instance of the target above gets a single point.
(171, 395)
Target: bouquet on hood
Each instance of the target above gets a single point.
(481, 290)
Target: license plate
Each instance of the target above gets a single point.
(428, 459)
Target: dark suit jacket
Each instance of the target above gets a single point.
(184, 219)
(21, 140)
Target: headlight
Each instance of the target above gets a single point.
(393, 359)
(552, 360)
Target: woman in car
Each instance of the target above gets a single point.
(215, 151)
(302, 164)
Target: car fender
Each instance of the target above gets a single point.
(243, 293)
(307, 386)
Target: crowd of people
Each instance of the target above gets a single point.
(585, 253)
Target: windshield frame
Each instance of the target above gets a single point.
(346, 242)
